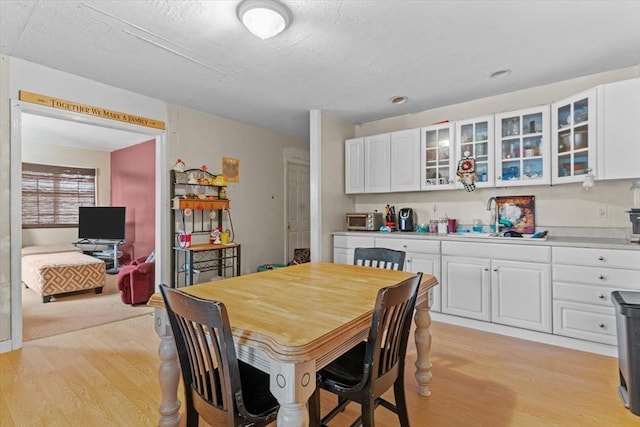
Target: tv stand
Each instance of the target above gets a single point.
(109, 256)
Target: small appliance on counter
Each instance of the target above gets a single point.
(366, 221)
(406, 219)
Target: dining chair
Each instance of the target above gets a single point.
(370, 368)
(218, 387)
(379, 257)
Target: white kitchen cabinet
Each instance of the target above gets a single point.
(383, 163)
(521, 294)
(437, 157)
(344, 246)
(618, 150)
(466, 287)
(583, 279)
(354, 166)
(377, 163)
(522, 147)
(498, 286)
(405, 160)
(476, 137)
(420, 256)
(573, 136)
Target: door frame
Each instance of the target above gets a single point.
(161, 217)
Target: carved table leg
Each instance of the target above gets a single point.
(168, 373)
(423, 348)
(292, 385)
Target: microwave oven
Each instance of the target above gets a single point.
(371, 221)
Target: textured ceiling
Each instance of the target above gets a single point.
(345, 57)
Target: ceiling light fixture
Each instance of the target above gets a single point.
(500, 74)
(264, 18)
(397, 100)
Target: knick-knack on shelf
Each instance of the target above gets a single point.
(179, 166)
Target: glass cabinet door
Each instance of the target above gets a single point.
(573, 137)
(522, 146)
(437, 157)
(475, 138)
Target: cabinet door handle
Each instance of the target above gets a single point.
(404, 246)
(495, 268)
(486, 269)
(601, 296)
(601, 325)
(600, 258)
(601, 277)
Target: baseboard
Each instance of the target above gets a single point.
(6, 346)
(541, 337)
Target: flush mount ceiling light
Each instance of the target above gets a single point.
(397, 100)
(264, 18)
(500, 74)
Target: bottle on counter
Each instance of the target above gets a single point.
(443, 225)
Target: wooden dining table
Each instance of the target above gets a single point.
(290, 322)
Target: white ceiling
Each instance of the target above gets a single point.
(345, 57)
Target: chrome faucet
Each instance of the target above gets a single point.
(494, 213)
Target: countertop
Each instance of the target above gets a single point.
(578, 240)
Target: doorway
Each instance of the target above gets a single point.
(17, 110)
(297, 221)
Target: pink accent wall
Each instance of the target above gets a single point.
(133, 184)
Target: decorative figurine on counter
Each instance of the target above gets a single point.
(467, 172)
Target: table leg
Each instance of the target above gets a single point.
(292, 385)
(423, 348)
(168, 372)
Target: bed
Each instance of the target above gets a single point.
(57, 269)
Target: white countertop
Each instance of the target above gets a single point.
(581, 241)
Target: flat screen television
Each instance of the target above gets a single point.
(101, 222)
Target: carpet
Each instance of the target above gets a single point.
(75, 311)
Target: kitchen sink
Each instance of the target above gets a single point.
(492, 236)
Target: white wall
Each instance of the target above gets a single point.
(556, 206)
(257, 201)
(37, 152)
(334, 200)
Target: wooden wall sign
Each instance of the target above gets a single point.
(90, 110)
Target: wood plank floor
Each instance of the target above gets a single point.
(108, 375)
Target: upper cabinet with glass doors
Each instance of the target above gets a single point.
(437, 162)
(522, 147)
(475, 138)
(573, 137)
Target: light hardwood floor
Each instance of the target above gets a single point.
(108, 376)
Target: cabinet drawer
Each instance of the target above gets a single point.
(586, 322)
(597, 295)
(410, 245)
(612, 277)
(353, 241)
(498, 251)
(591, 257)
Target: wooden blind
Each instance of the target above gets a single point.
(51, 195)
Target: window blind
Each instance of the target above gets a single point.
(51, 195)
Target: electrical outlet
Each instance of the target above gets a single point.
(601, 212)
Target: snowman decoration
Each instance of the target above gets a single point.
(467, 172)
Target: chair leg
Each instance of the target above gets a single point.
(367, 419)
(314, 409)
(401, 402)
(192, 417)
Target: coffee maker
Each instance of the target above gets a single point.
(406, 219)
(634, 212)
(634, 216)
